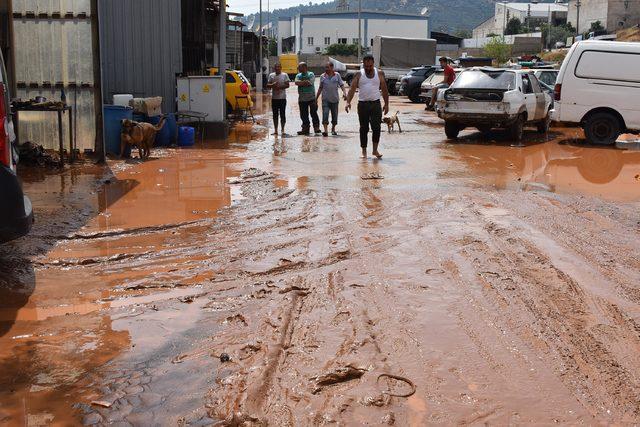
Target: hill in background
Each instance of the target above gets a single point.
(446, 15)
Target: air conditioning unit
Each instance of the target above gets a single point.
(318, 49)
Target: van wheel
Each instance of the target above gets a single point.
(602, 128)
(543, 126)
(451, 130)
(517, 129)
(484, 130)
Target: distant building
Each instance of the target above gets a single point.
(613, 14)
(314, 32)
(530, 14)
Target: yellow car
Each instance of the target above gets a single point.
(289, 62)
(237, 85)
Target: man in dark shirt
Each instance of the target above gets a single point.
(449, 77)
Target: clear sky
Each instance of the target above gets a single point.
(252, 6)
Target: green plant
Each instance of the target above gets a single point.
(273, 47)
(492, 35)
(596, 26)
(555, 34)
(498, 49)
(514, 26)
(343, 49)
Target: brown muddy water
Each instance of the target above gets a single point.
(469, 282)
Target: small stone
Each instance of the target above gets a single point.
(150, 399)
(134, 389)
(224, 358)
(91, 419)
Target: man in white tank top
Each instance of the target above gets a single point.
(369, 82)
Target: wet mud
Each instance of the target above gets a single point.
(265, 281)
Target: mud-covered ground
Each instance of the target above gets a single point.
(472, 282)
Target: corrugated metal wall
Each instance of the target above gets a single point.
(141, 48)
(53, 50)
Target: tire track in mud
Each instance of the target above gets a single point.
(600, 373)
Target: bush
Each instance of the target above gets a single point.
(498, 49)
(343, 49)
(514, 26)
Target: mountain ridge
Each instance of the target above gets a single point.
(445, 15)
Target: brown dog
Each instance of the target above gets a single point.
(391, 121)
(141, 135)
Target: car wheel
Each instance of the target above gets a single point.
(415, 96)
(451, 130)
(517, 128)
(228, 107)
(602, 129)
(543, 126)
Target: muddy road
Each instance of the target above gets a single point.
(471, 282)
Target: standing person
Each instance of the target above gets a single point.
(449, 78)
(278, 82)
(369, 81)
(330, 83)
(307, 99)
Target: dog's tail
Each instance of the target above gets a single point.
(161, 123)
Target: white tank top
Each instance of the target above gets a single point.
(369, 88)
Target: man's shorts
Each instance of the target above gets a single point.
(442, 86)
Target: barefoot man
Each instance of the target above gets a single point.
(369, 82)
(278, 83)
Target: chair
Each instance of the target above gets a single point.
(242, 111)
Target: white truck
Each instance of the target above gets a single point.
(396, 56)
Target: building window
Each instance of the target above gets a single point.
(371, 42)
(327, 40)
(355, 41)
(310, 41)
(342, 41)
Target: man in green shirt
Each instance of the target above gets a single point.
(307, 99)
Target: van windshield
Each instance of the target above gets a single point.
(485, 79)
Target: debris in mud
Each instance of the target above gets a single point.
(224, 358)
(338, 375)
(389, 419)
(237, 319)
(251, 174)
(179, 359)
(637, 177)
(371, 175)
(187, 300)
(434, 271)
(393, 382)
(35, 155)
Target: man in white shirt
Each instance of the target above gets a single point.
(369, 82)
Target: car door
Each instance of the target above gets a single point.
(541, 101)
(530, 101)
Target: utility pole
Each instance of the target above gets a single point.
(222, 50)
(504, 17)
(549, 28)
(359, 30)
(578, 4)
(259, 73)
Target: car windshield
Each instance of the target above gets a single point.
(548, 77)
(418, 72)
(485, 79)
(436, 77)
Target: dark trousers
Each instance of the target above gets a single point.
(369, 114)
(279, 106)
(306, 108)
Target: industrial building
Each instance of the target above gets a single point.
(313, 32)
(90, 50)
(530, 14)
(613, 14)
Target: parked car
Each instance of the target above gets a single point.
(426, 88)
(236, 85)
(598, 87)
(16, 212)
(409, 85)
(488, 98)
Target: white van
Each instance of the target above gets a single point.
(599, 87)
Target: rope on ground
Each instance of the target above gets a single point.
(398, 378)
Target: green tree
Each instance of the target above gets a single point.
(343, 49)
(551, 36)
(514, 26)
(596, 26)
(498, 49)
(273, 47)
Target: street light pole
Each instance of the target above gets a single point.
(578, 4)
(259, 73)
(222, 50)
(359, 30)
